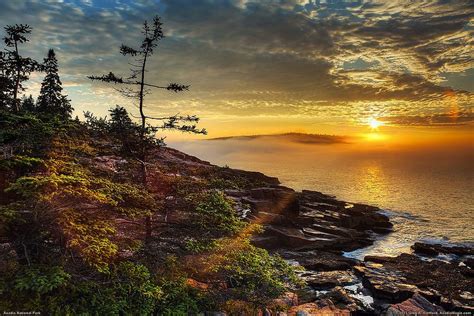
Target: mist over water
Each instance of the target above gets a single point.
(428, 192)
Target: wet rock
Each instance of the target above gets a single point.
(310, 220)
(273, 218)
(438, 281)
(384, 283)
(267, 242)
(415, 305)
(436, 249)
(469, 262)
(295, 238)
(379, 259)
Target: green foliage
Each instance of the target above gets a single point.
(180, 299)
(73, 199)
(134, 140)
(199, 246)
(40, 280)
(222, 184)
(179, 296)
(128, 289)
(21, 163)
(216, 215)
(24, 134)
(256, 276)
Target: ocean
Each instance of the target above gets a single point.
(427, 192)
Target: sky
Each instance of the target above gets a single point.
(266, 67)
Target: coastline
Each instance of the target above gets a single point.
(317, 232)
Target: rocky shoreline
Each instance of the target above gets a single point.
(314, 230)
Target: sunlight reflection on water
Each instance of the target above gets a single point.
(427, 196)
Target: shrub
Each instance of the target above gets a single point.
(216, 215)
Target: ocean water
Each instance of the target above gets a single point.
(427, 192)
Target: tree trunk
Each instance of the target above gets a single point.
(148, 228)
(17, 80)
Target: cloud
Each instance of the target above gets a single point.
(281, 57)
(443, 119)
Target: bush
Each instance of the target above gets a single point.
(129, 290)
(216, 215)
(257, 277)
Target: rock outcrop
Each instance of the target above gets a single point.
(313, 230)
(396, 279)
(436, 249)
(310, 220)
(416, 305)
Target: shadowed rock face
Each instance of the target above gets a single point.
(396, 279)
(310, 220)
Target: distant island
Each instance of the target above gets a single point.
(301, 138)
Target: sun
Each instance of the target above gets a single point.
(374, 123)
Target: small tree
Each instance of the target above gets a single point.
(136, 87)
(152, 35)
(51, 100)
(14, 68)
(28, 103)
(6, 82)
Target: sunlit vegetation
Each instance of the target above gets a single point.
(69, 187)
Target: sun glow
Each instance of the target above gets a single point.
(374, 123)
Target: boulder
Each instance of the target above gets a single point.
(295, 238)
(328, 279)
(385, 284)
(416, 305)
(306, 294)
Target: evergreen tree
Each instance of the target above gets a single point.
(28, 103)
(6, 83)
(51, 100)
(153, 34)
(14, 69)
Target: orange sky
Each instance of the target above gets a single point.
(268, 67)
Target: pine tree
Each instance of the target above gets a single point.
(14, 68)
(51, 100)
(28, 103)
(153, 34)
